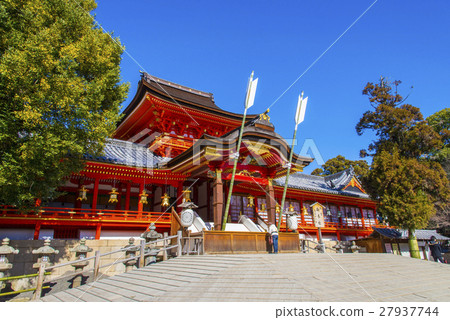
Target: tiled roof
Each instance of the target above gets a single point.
(341, 179)
(388, 233)
(329, 184)
(177, 91)
(424, 235)
(403, 234)
(129, 154)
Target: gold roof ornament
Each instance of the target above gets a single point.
(265, 115)
(113, 196)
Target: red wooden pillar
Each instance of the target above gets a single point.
(208, 201)
(98, 231)
(37, 229)
(152, 203)
(255, 210)
(179, 194)
(375, 215)
(302, 215)
(95, 195)
(338, 234)
(218, 200)
(362, 217)
(339, 217)
(127, 197)
(270, 202)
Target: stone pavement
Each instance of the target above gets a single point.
(270, 277)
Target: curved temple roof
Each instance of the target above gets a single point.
(129, 154)
(333, 184)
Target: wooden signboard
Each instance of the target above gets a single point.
(317, 210)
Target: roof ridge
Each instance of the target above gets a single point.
(308, 175)
(124, 142)
(337, 174)
(148, 77)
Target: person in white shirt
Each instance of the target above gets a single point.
(274, 234)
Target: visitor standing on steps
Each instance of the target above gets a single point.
(436, 250)
(274, 234)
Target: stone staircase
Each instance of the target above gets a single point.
(269, 277)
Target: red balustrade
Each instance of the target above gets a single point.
(87, 214)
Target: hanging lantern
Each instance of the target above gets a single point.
(277, 208)
(82, 194)
(263, 207)
(113, 196)
(143, 197)
(251, 202)
(186, 195)
(304, 211)
(165, 200)
(328, 212)
(291, 209)
(339, 214)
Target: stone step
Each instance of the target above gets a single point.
(282, 277)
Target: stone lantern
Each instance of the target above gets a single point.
(44, 254)
(339, 247)
(354, 247)
(129, 253)
(80, 253)
(5, 250)
(151, 235)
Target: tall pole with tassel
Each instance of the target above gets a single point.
(249, 100)
(299, 117)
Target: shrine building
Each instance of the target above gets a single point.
(172, 139)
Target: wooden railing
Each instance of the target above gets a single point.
(83, 214)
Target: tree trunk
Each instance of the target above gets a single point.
(413, 245)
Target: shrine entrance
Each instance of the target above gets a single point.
(242, 205)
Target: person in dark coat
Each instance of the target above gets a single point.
(436, 250)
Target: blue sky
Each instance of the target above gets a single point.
(214, 45)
